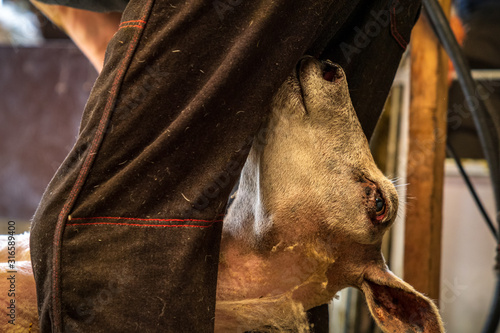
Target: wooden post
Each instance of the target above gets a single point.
(428, 105)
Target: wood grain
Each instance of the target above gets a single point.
(426, 159)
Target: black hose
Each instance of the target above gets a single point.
(491, 324)
(486, 130)
(453, 154)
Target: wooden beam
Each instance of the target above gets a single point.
(428, 105)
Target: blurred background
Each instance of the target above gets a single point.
(44, 84)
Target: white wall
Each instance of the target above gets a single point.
(467, 277)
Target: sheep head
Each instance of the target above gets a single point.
(309, 217)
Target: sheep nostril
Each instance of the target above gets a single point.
(331, 72)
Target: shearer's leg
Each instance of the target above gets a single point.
(127, 234)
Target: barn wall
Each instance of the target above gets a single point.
(43, 91)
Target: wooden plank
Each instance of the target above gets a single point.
(429, 67)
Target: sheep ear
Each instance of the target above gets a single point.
(398, 307)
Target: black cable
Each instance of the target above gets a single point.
(487, 133)
(493, 317)
(453, 154)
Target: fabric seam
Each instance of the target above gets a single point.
(84, 171)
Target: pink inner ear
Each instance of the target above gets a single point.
(393, 304)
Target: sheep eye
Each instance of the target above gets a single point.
(379, 205)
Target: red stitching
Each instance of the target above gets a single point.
(145, 225)
(141, 21)
(138, 219)
(98, 136)
(132, 26)
(394, 29)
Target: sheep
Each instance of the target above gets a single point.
(309, 217)
(307, 221)
(21, 315)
